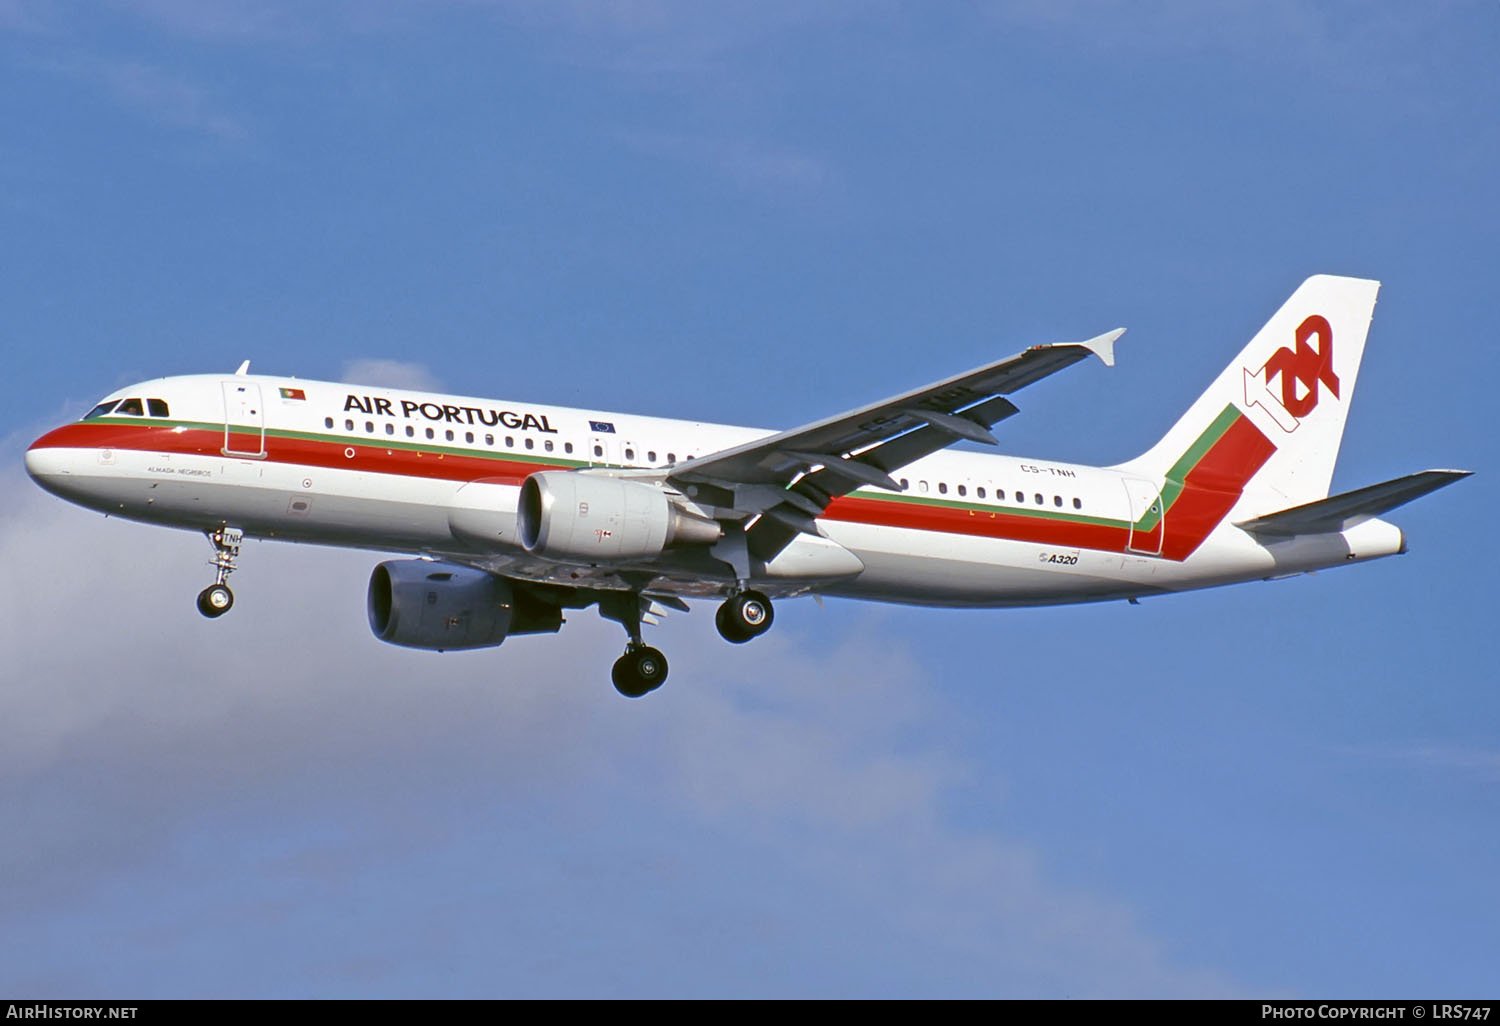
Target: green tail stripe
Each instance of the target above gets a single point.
(1178, 473)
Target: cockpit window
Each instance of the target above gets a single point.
(132, 407)
(158, 407)
(100, 410)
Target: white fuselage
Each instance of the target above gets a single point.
(395, 470)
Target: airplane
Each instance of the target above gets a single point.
(512, 513)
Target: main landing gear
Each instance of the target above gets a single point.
(643, 669)
(216, 600)
(744, 616)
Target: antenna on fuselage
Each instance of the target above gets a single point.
(244, 369)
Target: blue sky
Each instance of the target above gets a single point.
(757, 213)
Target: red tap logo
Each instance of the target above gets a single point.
(1302, 370)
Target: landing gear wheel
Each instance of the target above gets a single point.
(215, 600)
(641, 670)
(744, 616)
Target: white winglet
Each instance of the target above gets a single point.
(244, 369)
(1103, 346)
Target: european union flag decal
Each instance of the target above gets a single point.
(601, 427)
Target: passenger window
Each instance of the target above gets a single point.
(328, 422)
(448, 434)
(598, 450)
(921, 486)
(547, 445)
(429, 432)
(510, 441)
(370, 427)
(1021, 498)
(158, 407)
(905, 484)
(531, 443)
(979, 491)
(132, 407)
(348, 425)
(1039, 500)
(942, 488)
(411, 432)
(390, 429)
(567, 447)
(671, 457)
(1078, 504)
(629, 453)
(100, 410)
(650, 456)
(962, 490)
(1057, 501)
(469, 437)
(489, 439)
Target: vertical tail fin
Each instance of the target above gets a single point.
(1272, 421)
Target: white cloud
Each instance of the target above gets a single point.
(391, 374)
(1350, 44)
(1476, 763)
(131, 720)
(745, 162)
(153, 92)
(219, 20)
(687, 26)
(1175, 24)
(18, 15)
(665, 36)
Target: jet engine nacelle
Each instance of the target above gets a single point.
(592, 518)
(423, 604)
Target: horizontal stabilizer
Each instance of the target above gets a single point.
(1337, 511)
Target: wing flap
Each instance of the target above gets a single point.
(1337, 512)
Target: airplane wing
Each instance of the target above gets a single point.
(789, 478)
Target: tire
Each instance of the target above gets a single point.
(744, 616)
(639, 671)
(215, 600)
(724, 621)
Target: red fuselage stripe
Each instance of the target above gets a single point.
(1210, 489)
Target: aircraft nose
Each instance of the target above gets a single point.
(42, 463)
(47, 463)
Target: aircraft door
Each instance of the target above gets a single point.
(244, 419)
(1147, 519)
(601, 450)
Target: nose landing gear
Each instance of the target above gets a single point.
(216, 600)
